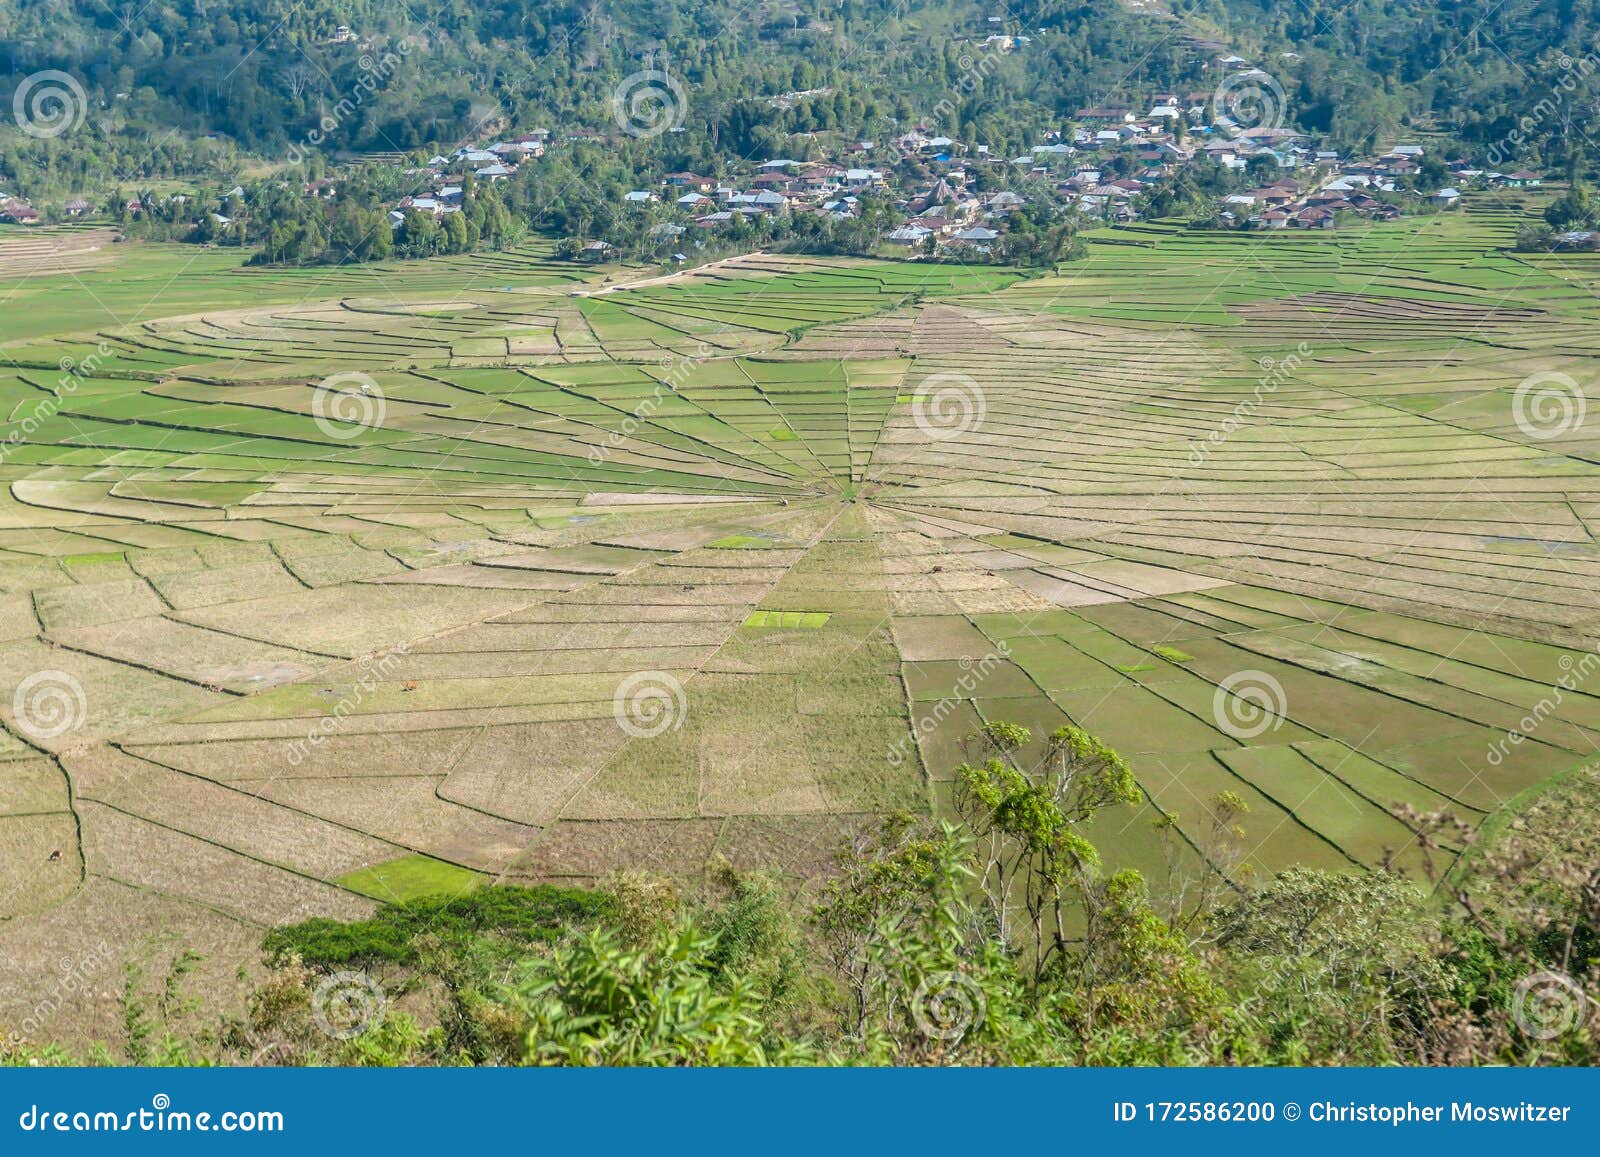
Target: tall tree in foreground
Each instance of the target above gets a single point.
(1036, 865)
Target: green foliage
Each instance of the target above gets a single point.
(1341, 962)
(756, 939)
(1035, 863)
(869, 64)
(152, 1025)
(594, 1001)
(999, 798)
(1574, 209)
(1135, 971)
(516, 917)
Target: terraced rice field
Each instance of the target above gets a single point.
(367, 583)
(32, 252)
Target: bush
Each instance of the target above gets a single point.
(515, 916)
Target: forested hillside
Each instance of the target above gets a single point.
(176, 88)
(1506, 79)
(265, 72)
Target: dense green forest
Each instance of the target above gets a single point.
(998, 939)
(265, 73)
(1509, 80)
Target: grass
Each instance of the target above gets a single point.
(411, 878)
(787, 620)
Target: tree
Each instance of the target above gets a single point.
(1573, 210)
(1035, 863)
(878, 875)
(1200, 877)
(924, 984)
(1339, 962)
(1133, 973)
(454, 233)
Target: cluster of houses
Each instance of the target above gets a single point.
(943, 209)
(776, 186)
(18, 211)
(1100, 165)
(1334, 188)
(946, 210)
(1286, 203)
(444, 174)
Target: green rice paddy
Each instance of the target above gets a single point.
(388, 581)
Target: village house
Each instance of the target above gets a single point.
(858, 179)
(1103, 116)
(816, 178)
(933, 223)
(909, 235)
(430, 205)
(1586, 240)
(689, 181)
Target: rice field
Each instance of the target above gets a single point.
(319, 588)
